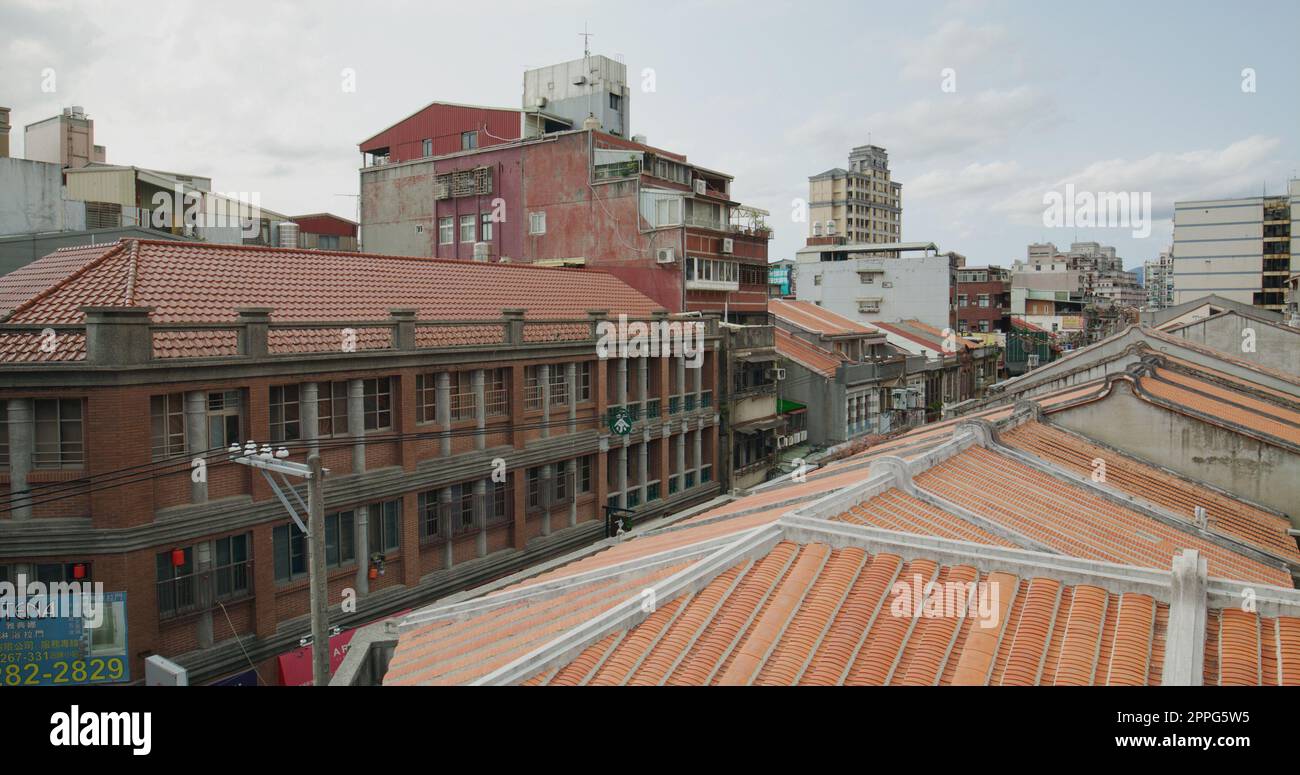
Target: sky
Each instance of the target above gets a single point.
(983, 105)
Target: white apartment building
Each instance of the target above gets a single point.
(880, 282)
(861, 203)
(1241, 249)
(1158, 277)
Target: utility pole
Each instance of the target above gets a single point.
(320, 642)
(270, 461)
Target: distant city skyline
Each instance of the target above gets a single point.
(983, 107)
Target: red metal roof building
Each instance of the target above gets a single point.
(123, 364)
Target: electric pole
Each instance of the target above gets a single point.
(320, 642)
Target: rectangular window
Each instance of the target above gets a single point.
(463, 501)
(231, 569)
(584, 381)
(467, 228)
(175, 583)
(445, 233)
(223, 419)
(430, 507)
(559, 384)
(584, 473)
(59, 435)
(534, 498)
(500, 510)
(332, 409)
(426, 148)
(485, 227)
(561, 484)
(497, 396)
(290, 547)
(426, 397)
(340, 540)
(167, 418)
(615, 101)
(537, 223)
(385, 527)
(377, 400)
(468, 141)
(463, 403)
(285, 415)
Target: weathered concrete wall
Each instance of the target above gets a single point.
(821, 396)
(32, 199)
(1255, 470)
(1272, 346)
(397, 210)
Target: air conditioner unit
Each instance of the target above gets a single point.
(700, 186)
(780, 374)
(666, 255)
(727, 244)
(782, 442)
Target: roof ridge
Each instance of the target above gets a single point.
(111, 249)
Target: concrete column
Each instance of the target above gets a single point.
(442, 410)
(196, 437)
(621, 385)
(1184, 663)
(357, 424)
(361, 540)
(571, 471)
(309, 414)
(643, 467)
(681, 379)
(681, 459)
(22, 445)
(203, 593)
(642, 380)
(571, 377)
(697, 375)
(699, 448)
(448, 529)
(621, 474)
(544, 385)
(480, 410)
(480, 515)
(546, 489)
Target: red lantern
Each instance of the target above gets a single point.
(178, 558)
(374, 573)
(79, 571)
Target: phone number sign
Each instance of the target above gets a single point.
(66, 650)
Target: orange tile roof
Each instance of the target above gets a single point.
(815, 319)
(187, 282)
(1216, 404)
(1073, 520)
(810, 356)
(1226, 515)
(814, 615)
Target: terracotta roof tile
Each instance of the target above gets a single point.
(806, 354)
(815, 319)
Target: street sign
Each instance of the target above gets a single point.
(61, 650)
(620, 422)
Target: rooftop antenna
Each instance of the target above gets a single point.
(586, 41)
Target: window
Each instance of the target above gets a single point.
(584, 381)
(223, 419)
(385, 526)
(467, 228)
(462, 497)
(584, 473)
(537, 223)
(175, 583)
(463, 403)
(468, 141)
(559, 384)
(290, 546)
(532, 388)
(817, 279)
(445, 236)
(377, 403)
(4, 439)
(984, 299)
(167, 417)
(961, 300)
(615, 101)
(500, 502)
(332, 409)
(426, 148)
(668, 212)
(340, 540)
(426, 397)
(59, 439)
(485, 227)
(284, 410)
(496, 395)
(428, 504)
(328, 241)
(534, 500)
(231, 567)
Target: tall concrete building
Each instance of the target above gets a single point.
(67, 139)
(860, 203)
(1240, 249)
(592, 87)
(1158, 277)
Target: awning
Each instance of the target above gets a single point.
(760, 357)
(755, 426)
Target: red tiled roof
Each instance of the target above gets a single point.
(806, 354)
(203, 283)
(815, 319)
(924, 335)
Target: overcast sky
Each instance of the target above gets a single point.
(1110, 96)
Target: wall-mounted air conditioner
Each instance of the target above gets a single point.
(727, 244)
(700, 186)
(666, 255)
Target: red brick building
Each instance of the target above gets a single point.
(982, 295)
(129, 368)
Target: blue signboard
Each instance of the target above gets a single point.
(61, 650)
(779, 276)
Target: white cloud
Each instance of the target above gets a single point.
(971, 180)
(956, 44)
